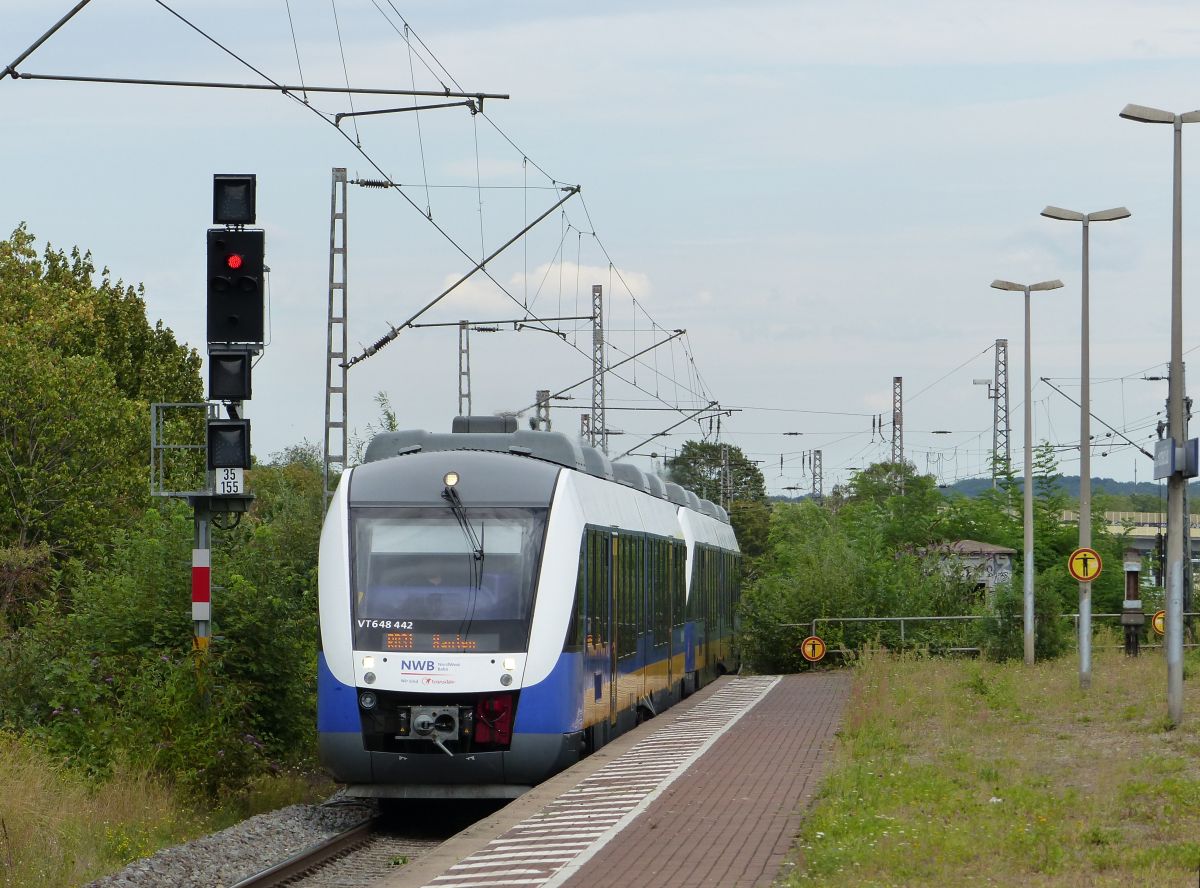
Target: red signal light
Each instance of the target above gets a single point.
(234, 261)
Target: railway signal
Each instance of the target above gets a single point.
(234, 288)
(229, 374)
(236, 262)
(235, 292)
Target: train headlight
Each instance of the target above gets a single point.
(369, 678)
(506, 679)
(450, 479)
(368, 662)
(367, 700)
(510, 663)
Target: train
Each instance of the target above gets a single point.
(496, 603)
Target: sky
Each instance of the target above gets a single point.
(819, 194)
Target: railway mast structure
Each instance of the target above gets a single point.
(1001, 427)
(998, 392)
(336, 441)
(598, 430)
(898, 430)
(818, 484)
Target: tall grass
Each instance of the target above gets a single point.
(55, 830)
(953, 771)
(58, 830)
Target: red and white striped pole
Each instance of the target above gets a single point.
(201, 582)
(201, 595)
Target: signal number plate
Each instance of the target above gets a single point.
(230, 481)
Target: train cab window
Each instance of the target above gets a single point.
(423, 584)
(576, 630)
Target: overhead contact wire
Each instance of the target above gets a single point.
(420, 139)
(296, 47)
(345, 71)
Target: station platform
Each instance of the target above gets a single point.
(710, 793)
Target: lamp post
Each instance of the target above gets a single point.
(1027, 596)
(1176, 481)
(1085, 432)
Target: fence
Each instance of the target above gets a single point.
(902, 621)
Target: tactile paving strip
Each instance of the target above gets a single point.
(547, 848)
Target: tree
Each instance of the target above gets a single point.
(81, 365)
(699, 467)
(905, 505)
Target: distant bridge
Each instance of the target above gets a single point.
(1142, 528)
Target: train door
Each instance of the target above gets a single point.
(662, 586)
(699, 601)
(615, 631)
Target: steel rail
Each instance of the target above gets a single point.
(313, 857)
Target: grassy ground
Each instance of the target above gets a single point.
(57, 831)
(966, 772)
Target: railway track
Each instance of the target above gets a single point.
(369, 851)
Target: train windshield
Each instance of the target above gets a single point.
(423, 582)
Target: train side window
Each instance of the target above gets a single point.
(596, 603)
(640, 583)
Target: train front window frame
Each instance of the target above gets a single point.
(417, 586)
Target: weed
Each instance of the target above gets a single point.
(975, 772)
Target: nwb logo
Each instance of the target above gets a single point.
(417, 665)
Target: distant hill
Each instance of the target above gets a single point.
(1069, 484)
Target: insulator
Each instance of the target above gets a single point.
(374, 183)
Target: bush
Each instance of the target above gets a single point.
(1002, 636)
(101, 668)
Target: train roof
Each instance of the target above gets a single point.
(500, 434)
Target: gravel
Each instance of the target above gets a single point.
(249, 847)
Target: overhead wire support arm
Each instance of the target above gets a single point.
(611, 367)
(571, 191)
(337, 118)
(709, 406)
(11, 69)
(516, 322)
(270, 87)
(1098, 419)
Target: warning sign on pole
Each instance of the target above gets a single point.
(1159, 622)
(812, 648)
(1084, 564)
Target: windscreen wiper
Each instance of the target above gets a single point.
(450, 495)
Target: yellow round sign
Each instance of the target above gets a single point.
(812, 648)
(1159, 622)
(1084, 564)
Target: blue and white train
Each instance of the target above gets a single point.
(497, 603)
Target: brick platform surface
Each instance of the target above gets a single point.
(629, 816)
(729, 820)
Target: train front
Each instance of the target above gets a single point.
(428, 568)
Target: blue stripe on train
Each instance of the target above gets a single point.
(555, 704)
(337, 703)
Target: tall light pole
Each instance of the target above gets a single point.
(1027, 597)
(1177, 480)
(1085, 432)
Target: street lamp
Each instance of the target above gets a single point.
(1177, 480)
(1085, 433)
(1027, 597)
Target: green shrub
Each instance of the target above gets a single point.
(1002, 635)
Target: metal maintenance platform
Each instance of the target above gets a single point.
(710, 793)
